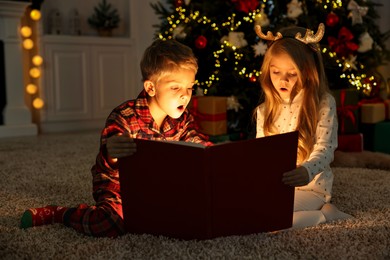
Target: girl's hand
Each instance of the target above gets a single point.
(297, 177)
(119, 146)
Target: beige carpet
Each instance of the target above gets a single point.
(54, 169)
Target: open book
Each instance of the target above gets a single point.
(197, 192)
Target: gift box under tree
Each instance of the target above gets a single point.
(350, 142)
(347, 101)
(210, 114)
(376, 136)
(374, 111)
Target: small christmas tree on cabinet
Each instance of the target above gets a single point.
(105, 18)
(221, 33)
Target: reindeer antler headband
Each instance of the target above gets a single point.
(309, 37)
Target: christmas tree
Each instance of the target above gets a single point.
(104, 16)
(221, 34)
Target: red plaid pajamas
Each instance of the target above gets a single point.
(105, 219)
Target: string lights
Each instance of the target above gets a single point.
(34, 61)
(182, 16)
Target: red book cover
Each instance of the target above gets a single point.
(189, 191)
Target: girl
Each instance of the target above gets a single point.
(296, 97)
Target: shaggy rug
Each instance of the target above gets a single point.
(55, 169)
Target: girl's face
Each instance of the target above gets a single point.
(171, 95)
(284, 74)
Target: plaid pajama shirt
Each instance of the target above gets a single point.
(133, 117)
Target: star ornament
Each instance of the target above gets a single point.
(350, 63)
(259, 48)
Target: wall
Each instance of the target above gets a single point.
(143, 29)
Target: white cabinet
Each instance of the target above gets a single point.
(85, 77)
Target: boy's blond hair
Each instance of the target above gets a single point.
(165, 57)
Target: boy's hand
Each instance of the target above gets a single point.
(119, 146)
(297, 177)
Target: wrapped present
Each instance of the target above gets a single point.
(374, 110)
(210, 114)
(347, 110)
(376, 136)
(350, 142)
(372, 113)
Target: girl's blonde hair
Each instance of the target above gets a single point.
(311, 78)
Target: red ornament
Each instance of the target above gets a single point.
(332, 19)
(343, 45)
(201, 42)
(178, 3)
(253, 79)
(374, 89)
(246, 6)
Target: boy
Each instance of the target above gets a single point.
(159, 113)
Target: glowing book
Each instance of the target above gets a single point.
(188, 191)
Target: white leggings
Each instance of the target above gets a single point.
(307, 209)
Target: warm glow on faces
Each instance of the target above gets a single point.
(284, 74)
(172, 94)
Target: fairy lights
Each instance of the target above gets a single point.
(37, 60)
(183, 17)
(350, 72)
(34, 60)
(28, 44)
(35, 14)
(330, 4)
(25, 31)
(31, 89)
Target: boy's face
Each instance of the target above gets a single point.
(283, 74)
(171, 94)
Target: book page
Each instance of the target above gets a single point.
(187, 143)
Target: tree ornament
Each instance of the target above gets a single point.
(178, 3)
(246, 6)
(357, 12)
(201, 42)
(294, 9)
(332, 19)
(179, 32)
(236, 39)
(259, 48)
(366, 42)
(373, 86)
(261, 19)
(343, 45)
(350, 63)
(253, 78)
